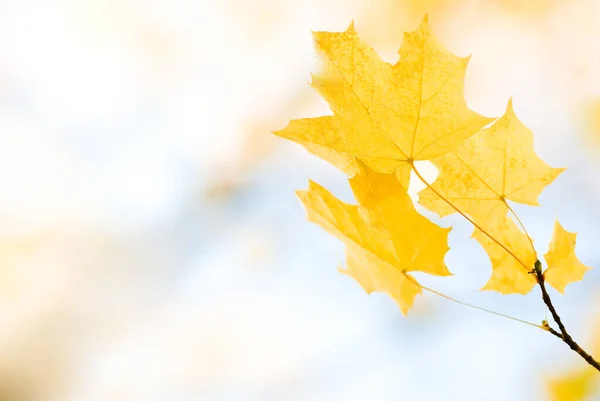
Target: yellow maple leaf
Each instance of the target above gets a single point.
(385, 236)
(563, 265)
(386, 115)
(509, 274)
(493, 166)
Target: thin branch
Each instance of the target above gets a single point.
(563, 335)
(537, 271)
(554, 332)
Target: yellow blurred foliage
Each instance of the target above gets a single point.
(589, 117)
(577, 385)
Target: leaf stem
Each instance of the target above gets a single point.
(521, 224)
(564, 335)
(412, 164)
(537, 271)
(411, 279)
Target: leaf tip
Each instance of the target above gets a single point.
(350, 28)
(423, 28)
(312, 185)
(301, 194)
(509, 106)
(557, 225)
(560, 170)
(281, 131)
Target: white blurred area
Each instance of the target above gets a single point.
(151, 247)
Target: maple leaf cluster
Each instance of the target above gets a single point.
(388, 116)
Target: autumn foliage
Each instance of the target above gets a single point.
(388, 116)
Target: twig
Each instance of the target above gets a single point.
(554, 332)
(537, 271)
(563, 335)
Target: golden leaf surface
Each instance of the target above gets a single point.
(386, 115)
(385, 236)
(509, 274)
(493, 166)
(563, 265)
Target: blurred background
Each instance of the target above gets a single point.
(152, 247)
